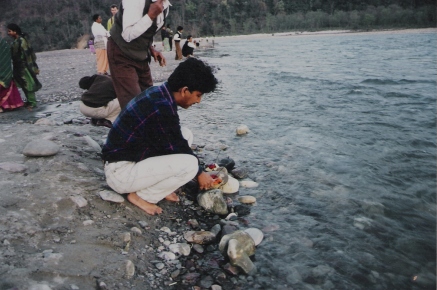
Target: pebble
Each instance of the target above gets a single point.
(41, 148)
(159, 266)
(198, 248)
(87, 222)
(79, 201)
(180, 248)
(193, 223)
(216, 229)
(165, 230)
(136, 230)
(248, 183)
(13, 167)
(143, 224)
(199, 237)
(167, 256)
(130, 269)
(111, 196)
(45, 121)
(247, 199)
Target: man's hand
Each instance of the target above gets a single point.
(157, 56)
(155, 9)
(205, 181)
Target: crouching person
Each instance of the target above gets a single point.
(147, 154)
(99, 102)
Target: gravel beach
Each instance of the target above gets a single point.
(56, 231)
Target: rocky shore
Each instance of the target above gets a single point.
(62, 227)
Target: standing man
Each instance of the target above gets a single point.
(170, 36)
(100, 40)
(130, 46)
(114, 10)
(177, 43)
(147, 154)
(165, 39)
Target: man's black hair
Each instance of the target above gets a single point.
(114, 6)
(95, 17)
(194, 74)
(180, 28)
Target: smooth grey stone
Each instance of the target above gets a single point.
(212, 201)
(240, 173)
(41, 148)
(111, 196)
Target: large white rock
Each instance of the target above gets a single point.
(256, 234)
(242, 129)
(230, 187)
(41, 148)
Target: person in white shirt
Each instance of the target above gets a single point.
(177, 43)
(130, 47)
(100, 39)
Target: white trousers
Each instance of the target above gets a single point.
(153, 178)
(110, 111)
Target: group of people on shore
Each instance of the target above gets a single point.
(147, 154)
(167, 36)
(18, 68)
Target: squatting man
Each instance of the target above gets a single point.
(147, 154)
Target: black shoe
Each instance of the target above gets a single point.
(104, 123)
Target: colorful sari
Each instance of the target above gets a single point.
(9, 95)
(25, 68)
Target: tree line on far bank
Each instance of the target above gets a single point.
(62, 24)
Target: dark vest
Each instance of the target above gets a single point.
(137, 49)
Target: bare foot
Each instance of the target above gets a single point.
(172, 197)
(148, 207)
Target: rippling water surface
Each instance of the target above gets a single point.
(343, 145)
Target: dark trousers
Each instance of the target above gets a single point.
(171, 43)
(129, 77)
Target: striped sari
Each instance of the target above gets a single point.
(9, 95)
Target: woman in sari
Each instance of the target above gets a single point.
(9, 95)
(24, 64)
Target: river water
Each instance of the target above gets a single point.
(343, 145)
